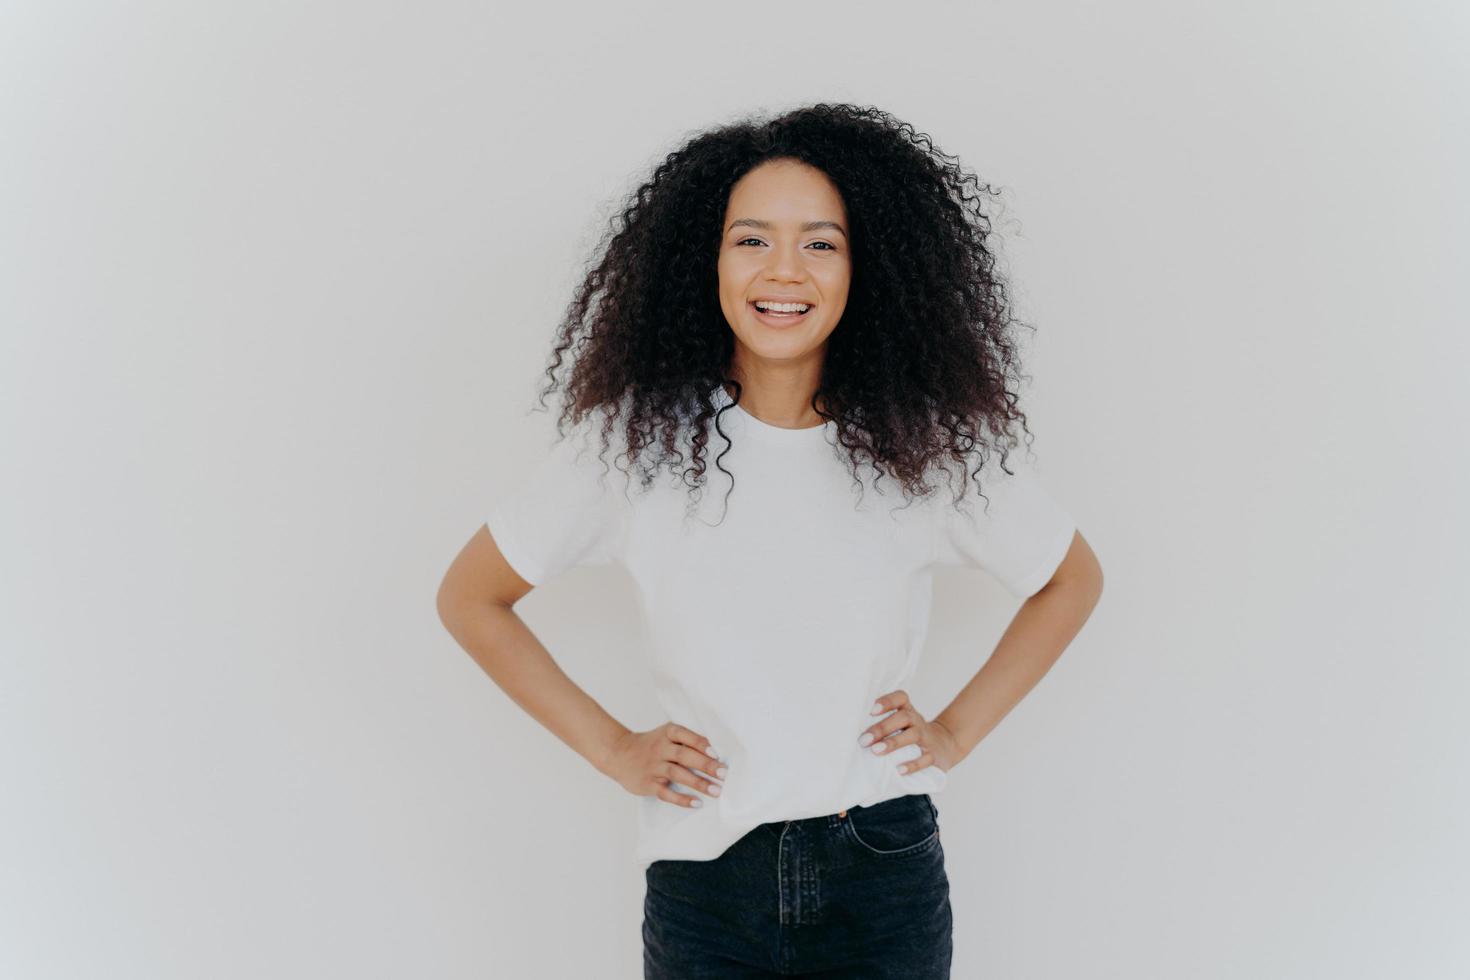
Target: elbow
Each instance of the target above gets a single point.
(1080, 574)
(447, 603)
(1093, 582)
(1088, 577)
(1088, 585)
(442, 608)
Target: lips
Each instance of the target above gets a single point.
(780, 319)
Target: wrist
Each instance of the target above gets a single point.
(603, 758)
(960, 748)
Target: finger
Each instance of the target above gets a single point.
(896, 699)
(903, 736)
(890, 701)
(895, 722)
(678, 799)
(923, 761)
(697, 760)
(692, 779)
(694, 740)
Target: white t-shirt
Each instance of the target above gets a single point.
(779, 612)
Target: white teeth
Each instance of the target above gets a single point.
(782, 307)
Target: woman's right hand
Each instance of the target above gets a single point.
(646, 763)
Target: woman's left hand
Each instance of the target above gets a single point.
(905, 726)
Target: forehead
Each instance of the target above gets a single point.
(785, 192)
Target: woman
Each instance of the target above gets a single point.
(814, 292)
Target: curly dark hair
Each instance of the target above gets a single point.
(921, 369)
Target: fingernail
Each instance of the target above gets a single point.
(697, 802)
(866, 740)
(711, 752)
(714, 791)
(877, 709)
(720, 772)
(880, 748)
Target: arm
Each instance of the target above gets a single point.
(475, 603)
(1043, 627)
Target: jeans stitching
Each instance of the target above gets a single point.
(851, 831)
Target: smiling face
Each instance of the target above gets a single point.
(785, 239)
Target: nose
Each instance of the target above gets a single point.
(784, 264)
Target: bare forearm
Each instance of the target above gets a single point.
(503, 645)
(1042, 628)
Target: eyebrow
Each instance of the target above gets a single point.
(806, 226)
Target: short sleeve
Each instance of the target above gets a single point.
(1020, 537)
(568, 509)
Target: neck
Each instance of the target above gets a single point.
(788, 406)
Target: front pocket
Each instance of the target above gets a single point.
(898, 827)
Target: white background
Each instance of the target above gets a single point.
(277, 283)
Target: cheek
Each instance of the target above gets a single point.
(732, 282)
(836, 275)
(731, 292)
(835, 285)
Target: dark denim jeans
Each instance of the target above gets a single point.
(858, 894)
